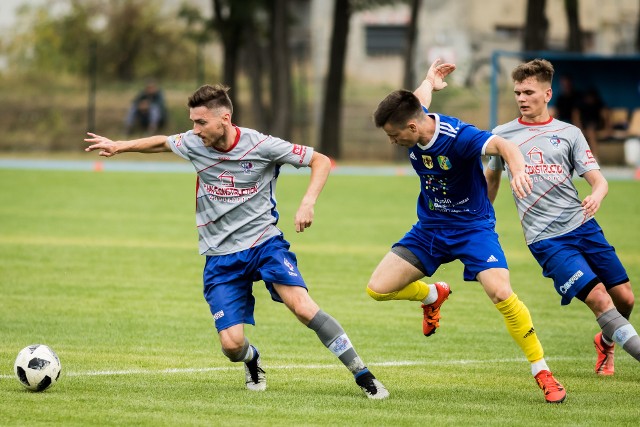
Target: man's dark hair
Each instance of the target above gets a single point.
(212, 97)
(397, 108)
(541, 69)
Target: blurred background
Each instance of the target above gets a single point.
(310, 71)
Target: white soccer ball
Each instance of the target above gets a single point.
(37, 367)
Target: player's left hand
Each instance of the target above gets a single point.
(437, 72)
(591, 205)
(304, 218)
(522, 185)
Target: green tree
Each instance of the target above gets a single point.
(536, 26)
(139, 40)
(574, 42)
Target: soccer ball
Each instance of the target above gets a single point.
(37, 367)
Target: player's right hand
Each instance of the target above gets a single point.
(106, 146)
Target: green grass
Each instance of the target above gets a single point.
(103, 267)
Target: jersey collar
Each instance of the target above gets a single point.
(522, 122)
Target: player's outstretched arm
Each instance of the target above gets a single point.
(320, 167)
(434, 81)
(109, 148)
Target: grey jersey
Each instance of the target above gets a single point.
(552, 151)
(235, 191)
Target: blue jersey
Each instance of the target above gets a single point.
(453, 189)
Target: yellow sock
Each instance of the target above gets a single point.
(414, 291)
(520, 327)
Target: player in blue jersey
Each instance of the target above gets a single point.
(559, 228)
(236, 217)
(455, 218)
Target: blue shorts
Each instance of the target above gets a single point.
(477, 248)
(577, 259)
(228, 280)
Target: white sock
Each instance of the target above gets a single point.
(432, 296)
(540, 365)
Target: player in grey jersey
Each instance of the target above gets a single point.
(236, 217)
(560, 229)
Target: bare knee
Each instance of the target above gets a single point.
(232, 340)
(496, 284)
(297, 300)
(623, 298)
(599, 300)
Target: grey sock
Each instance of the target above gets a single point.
(614, 325)
(335, 339)
(244, 355)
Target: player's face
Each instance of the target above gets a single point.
(211, 126)
(532, 97)
(404, 136)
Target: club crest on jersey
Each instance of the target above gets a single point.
(246, 167)
(427, 160)
(444, 163)
(555, 141)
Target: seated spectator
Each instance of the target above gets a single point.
(566, 102)
(593, 116)
(147, 112)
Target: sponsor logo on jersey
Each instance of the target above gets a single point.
(218, 315)
(246, 167)
(412, 156)
(178, 140)
(427, 160)
(299, 150)
(548, 169)
(555, 141)
(227, 187)
(535, 155)
(572, 280)
(444, 163)
(539, 167)
(227, 179)
(492, 259)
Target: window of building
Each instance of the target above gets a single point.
(385, 39)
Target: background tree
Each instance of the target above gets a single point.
(136, 35)
(409, 79)
(574, 42)
(230, 18)
(281, 91)
(536, 26)
(330, 124)
(638, 30)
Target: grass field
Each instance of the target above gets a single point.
(103, 267)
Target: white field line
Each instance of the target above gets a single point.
(302, 366)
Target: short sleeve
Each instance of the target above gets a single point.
(177, 144)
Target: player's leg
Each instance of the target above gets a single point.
(332, 335)
(519, 323)
(397, 276)
(623, 298)
(237, 348)
(615, 328)
(231, 303)
(613, 317)
(279, 270)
